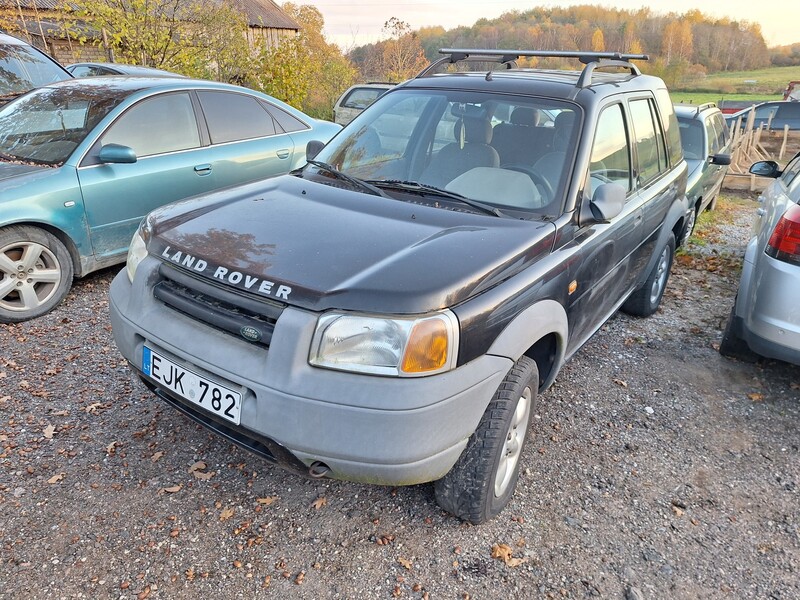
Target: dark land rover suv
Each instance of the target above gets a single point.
(389, 313)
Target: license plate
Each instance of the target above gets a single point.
(199, 390)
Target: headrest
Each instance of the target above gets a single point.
(563, 130)
(476, 130)
(525, 115)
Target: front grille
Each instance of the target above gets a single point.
(241, 316)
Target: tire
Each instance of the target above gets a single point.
(483, 480)
(688, 229)
(732, 345)
(644, 301)
(713, 204)
(35, 273)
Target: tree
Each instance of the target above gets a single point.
(196, 37)
(402, 56)
(306, 71)
(598, 41)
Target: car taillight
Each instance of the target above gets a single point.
(784, 243)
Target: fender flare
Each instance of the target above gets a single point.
(531, 325)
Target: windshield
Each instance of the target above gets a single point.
(47, 125)
(23, 68)
(510, 152)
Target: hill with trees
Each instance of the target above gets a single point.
(682, 46)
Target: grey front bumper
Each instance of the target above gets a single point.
(394, 431)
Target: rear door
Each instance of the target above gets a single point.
(171, 164)
(247, 142)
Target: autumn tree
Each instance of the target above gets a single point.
(598, 41)
(306, 71)
(402, 56)
(196, 37)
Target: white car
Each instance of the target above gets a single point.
(356, 99)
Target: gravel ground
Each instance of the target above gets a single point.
(658, 469)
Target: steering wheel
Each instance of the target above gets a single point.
(538, 179)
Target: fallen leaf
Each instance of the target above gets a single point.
(406, 563)
(621, 383)
(515, 562)
(172, 489)
(49, 431)
(756, 397)
(226, 514)
(198, 466)
(300, 577)
(156, 456)
(56, 478)
(112, 448)
(267, 501)
(319, 502)
(203, 476)
(144, 593)
(794, 386)
(502, 552)
(677, 510)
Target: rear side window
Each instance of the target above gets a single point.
(361, 97)
(171, 115)
(649, 140)
(670, 124)
(234, 117)
(610, 160)
(287, 122)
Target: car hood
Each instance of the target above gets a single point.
(14, 175)
(319, 247)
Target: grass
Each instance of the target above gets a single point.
(757, 85)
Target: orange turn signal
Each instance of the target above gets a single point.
(426, 349)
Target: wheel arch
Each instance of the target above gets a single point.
(63, 237)
(539, 332)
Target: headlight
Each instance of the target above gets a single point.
(398, 346)
(137, 251)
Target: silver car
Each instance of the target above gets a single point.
(765, 319)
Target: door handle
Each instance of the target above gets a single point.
(203, 169)
(284, 153)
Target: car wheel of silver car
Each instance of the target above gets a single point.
(35, 273)
(732, 345)
(644, 301)
(484, 478)
(688, 229)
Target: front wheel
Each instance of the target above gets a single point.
(35, 273)
(481, 483)
(644, 301)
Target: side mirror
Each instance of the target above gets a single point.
(313, 148)
(766, 168)
(116, 153)
(720, 159)
(607, 202)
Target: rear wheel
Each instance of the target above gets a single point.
(732, 345)
(482, 482)
(644, 301)
(688, 229)
(35, 273)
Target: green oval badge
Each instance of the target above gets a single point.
(251, 334)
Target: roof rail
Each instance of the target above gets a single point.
(592, 60)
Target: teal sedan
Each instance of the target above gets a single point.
(82, 161)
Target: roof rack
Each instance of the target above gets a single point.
(592, 60)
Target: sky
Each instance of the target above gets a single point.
(350, 23)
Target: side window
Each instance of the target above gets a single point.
(171, 115)
(670, 124)
(649, 141)
(287, 122)
(712, 136)
(610, 161)
(361, 97)
(234, 117)
(791, 171)
(724, 135)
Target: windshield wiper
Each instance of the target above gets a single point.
(348, 178)
(415, 186)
